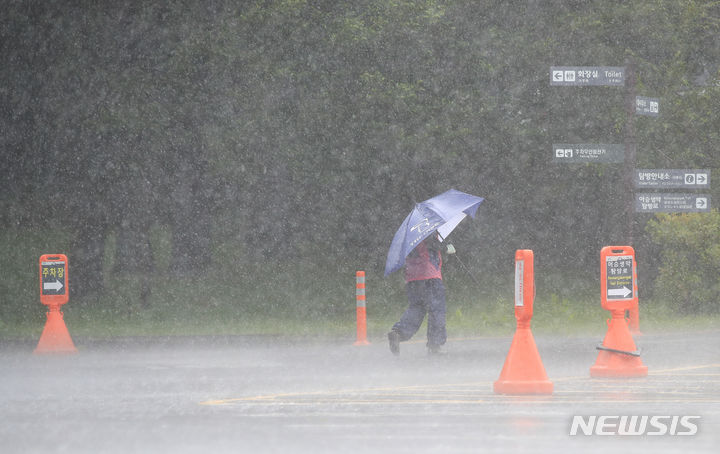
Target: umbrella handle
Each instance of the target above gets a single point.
(467, 270)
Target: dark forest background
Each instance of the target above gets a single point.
(253, 133)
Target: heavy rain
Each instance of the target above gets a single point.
(369, 226)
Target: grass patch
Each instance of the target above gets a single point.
(300, 299)
(209, 312)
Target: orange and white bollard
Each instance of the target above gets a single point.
(360, 309)
(523, 371)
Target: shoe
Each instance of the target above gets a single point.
(394, 341)
(436, 350)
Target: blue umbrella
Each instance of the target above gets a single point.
(441, 213)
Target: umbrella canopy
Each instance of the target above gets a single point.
(441, 213)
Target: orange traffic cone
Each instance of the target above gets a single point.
(618, 355)
(523, 372)
(55, 337)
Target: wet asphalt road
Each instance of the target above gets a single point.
(262, 395)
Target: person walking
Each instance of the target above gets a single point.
(426, 295)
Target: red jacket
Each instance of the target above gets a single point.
(424, 262)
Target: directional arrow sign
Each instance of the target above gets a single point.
(619, 292)
(57, 285)
(587, 76)
(662, 202)
(672, 178)
(53, 279)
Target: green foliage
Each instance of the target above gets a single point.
(19, 286)
(690, 254)
(304, 131)
(298, 299)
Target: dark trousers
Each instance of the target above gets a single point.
(424, 297)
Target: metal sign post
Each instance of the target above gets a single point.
(626, 153)
(631, 149)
